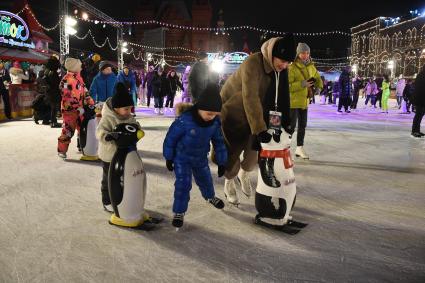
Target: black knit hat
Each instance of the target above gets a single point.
(210, 99)
(103, 65)
(284, 48)
(121, 97)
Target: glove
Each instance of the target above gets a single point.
(169, 164)
(264, 137)
(111, 137)
(221, 170)
(81, 110)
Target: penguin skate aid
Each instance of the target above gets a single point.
(186, 148)
(87, 137)
(123, 185)
(127, 184)
(276, 188)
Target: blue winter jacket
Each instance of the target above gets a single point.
(102, 87)
(186, 141)
(129, 81)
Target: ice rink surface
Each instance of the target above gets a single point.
(362, 193)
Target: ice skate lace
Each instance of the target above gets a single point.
(178, 216)
(214, 201)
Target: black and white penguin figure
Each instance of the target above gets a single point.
(87, 138)
(276, 188)
(127, 179)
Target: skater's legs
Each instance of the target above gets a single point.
(204, 181)
(68, 129)
(182, 187)
(5, 95)
(416, 126)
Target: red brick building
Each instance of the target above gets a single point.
(177, 12)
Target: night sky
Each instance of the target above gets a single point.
(295, 16)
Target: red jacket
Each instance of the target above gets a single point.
(74, 92)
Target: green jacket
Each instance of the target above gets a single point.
(385, 89)
(297, 73)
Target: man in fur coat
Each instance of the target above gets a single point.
(259, 86)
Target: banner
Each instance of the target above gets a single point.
(20, 98)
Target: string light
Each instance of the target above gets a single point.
(26, 7)
(218, 30)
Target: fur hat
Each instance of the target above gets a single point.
(284, 48)
(210, 99)
(302, 47)
(73, 65)
(121, 97)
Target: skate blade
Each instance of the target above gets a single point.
(232, 203)
(154, 220)
(297, 224)
(285, 228)
(146, 226)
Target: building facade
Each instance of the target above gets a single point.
(388, 45)
(178, 12)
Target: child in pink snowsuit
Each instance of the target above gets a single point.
(74, 97)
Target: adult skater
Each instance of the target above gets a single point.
(248, 95)
(418, 100)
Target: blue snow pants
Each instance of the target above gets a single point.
(183, 185)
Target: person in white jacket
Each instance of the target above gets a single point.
(399, 90)
(17, 74)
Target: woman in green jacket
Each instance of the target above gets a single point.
(304, 81)
(385, 93)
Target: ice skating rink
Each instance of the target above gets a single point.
(362, 193)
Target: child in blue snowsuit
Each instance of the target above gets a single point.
(186, 148)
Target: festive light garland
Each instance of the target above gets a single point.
(221, 29)
(26, 7)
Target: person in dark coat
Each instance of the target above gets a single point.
(407, 94)
(53, 93)
(201, 76)
(418, 100)
(147, 82)
(379, 80)
(345, 90)
(173, 83)
(159, 90)
(4, 92)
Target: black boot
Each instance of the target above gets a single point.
(178, 220)
(218, 203)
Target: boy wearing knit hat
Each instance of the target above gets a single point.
(116, 110)
(186, 148)
(102, 86)
(74, 97)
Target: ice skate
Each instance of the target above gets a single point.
(62, 155)
(178, 220)
(299, 152)
(216, 202)
(156, 110)
(108, 208)
(161, 111)
(230, 191)
(245, 181)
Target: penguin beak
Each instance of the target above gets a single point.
(140, 134)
